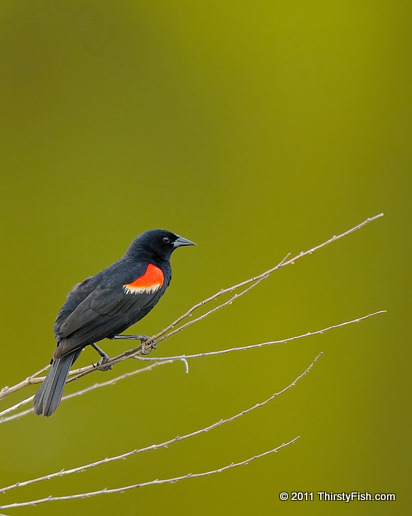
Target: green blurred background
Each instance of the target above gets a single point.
(254, 129)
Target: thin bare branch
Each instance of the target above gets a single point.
(149, 483)
(6, 391)
(265, 274)
(15, 407)
(262, 344)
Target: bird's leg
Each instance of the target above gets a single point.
(105, 357)
(142, 338)
(131, 337)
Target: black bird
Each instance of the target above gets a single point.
(106, 304)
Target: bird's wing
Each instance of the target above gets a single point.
(103, 308)
(102, 314)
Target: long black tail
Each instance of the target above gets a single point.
(50, 393)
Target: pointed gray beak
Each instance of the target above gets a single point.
(180, 241)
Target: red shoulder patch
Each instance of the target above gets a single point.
(151, 281)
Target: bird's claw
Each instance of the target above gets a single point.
(101, 363)
(146, 350)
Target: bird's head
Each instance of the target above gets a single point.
(156, 243)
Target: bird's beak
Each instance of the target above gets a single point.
(180, 241)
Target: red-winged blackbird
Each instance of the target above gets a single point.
(106, 304)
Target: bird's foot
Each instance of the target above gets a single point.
(146, 350)
(101, 363)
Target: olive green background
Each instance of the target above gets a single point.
(254, 129)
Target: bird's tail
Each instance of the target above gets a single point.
(50, 393)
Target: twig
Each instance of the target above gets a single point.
(33, 379)
(6, 391)
(265, 274)
(149, 483)
(262, 344)
(165, 444)
(15, 407)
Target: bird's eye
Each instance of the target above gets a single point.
(166, 240)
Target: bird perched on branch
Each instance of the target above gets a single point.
(105, 305)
